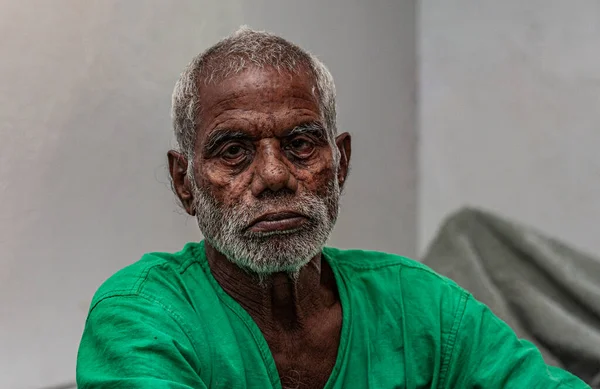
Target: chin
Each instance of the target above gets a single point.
(273, 252)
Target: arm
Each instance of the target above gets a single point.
(485, 353)
(134, 342)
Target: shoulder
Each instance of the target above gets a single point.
(377, 262)
(144, 278)
(391, 276)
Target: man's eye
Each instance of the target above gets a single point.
(302, 147)
(233, 152)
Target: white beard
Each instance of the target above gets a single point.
(266, 253)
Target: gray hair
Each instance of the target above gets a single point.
(246, 48)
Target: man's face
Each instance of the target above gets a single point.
(264, 180)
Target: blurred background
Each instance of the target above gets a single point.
(450, 103)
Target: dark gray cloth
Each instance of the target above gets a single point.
(547, 292)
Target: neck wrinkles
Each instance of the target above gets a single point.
(278, 301)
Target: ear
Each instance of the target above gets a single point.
(343, 143)
(180, 182)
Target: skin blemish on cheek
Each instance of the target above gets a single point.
(228, 187)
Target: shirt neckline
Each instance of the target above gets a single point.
(257, 335)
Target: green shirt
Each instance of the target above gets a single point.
(164, 322)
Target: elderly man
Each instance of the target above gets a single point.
(261, 303)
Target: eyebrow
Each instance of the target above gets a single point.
(315, 129)
(218, 137)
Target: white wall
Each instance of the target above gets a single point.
(510, 113)
(84, 100)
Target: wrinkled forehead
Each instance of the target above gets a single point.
(253, 92)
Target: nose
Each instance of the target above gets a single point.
(271, 171)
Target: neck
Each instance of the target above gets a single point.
(279, 301)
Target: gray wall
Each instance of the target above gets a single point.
(509, 113)
(84, 102)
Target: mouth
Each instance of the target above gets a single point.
(277, 222)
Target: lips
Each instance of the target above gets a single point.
(277, 221)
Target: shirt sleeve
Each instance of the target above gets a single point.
(486, 353)
(134, 342)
